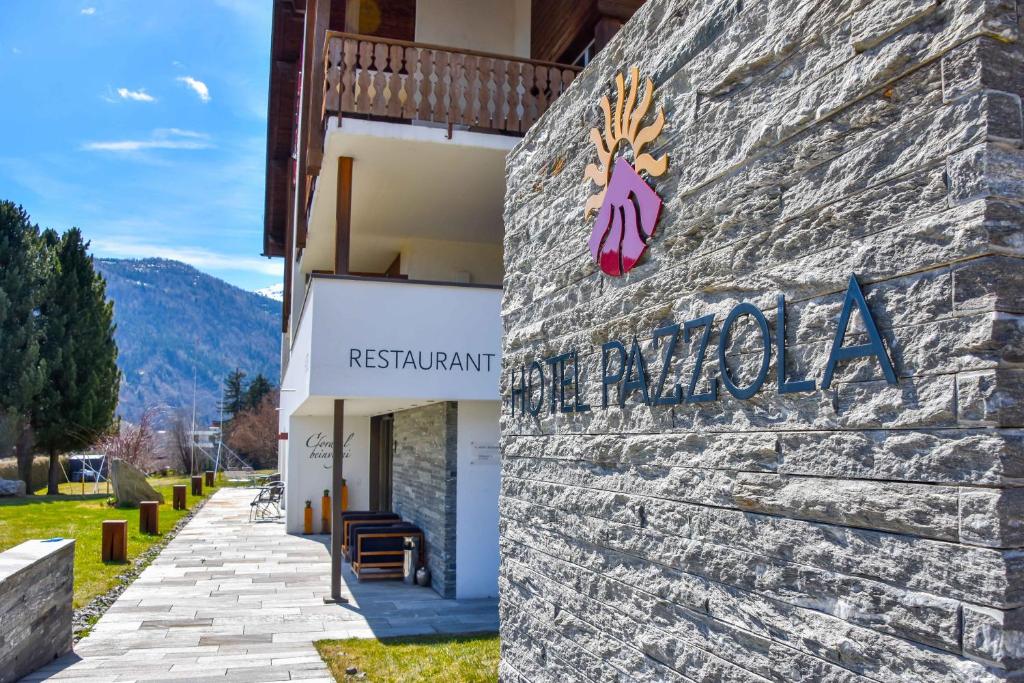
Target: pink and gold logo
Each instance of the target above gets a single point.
(627, 207)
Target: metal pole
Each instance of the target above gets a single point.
(220, 435)
(192, 434)
(195, 374)
(337, 474)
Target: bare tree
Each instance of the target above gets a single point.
(254, 432)
(133, 443)
(181, 442)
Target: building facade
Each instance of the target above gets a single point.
(389, 126)
(763, 393)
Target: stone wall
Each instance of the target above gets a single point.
(36, 587)
(868, 530)
(424, 476)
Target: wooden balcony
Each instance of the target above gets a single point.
(395, 80)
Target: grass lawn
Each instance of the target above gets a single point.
(77, 516)
(452, 659)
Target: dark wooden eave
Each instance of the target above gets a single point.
(285, 55)
(561, 29)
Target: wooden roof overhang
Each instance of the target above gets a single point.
(285, 58)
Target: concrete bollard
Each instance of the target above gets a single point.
(149, 517)
(115, 541)
(197, 485)
(180, 501)
(209, 478)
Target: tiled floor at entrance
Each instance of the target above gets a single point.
(232, 601)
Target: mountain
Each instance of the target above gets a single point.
(274, 292)
(169, 313)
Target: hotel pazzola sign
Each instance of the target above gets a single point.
(628, 209)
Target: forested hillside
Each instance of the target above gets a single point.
(172, 318)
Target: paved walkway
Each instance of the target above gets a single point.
(232, 601)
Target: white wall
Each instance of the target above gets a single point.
(498, 26)
(442, 260)
(282, 463)
(308, 472)
(477, 487)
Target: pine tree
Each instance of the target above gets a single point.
(24, 265)
(234, 394)
(78, 402)
(258, 388)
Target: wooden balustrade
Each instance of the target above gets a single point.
(398, 80)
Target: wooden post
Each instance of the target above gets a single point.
(337, 476)
(313, 126)
(209, 478)
(197, 485)
(149, 517)
(114, 546)
(343, 219)
(180, 502)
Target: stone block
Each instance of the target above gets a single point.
(36, 587)
(130, 485)
(992, 517)
(995, 636)
(985, 170)
(875, 22)
(12, 487)
(992, 398)
(994, 283)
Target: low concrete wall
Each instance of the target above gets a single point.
(36, 582)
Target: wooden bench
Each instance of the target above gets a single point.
(239, 476)
(380, 553)
(351, 517)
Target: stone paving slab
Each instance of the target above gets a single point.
(229, 600)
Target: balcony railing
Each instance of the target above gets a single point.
(398, 80)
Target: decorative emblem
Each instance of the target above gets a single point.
(627, 207)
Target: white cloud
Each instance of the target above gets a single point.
(164, 132)
(88, 11)
(139, 95)
(198, 86)
(199, 258)
(15, 50)
(162, 138)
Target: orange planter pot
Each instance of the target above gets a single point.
(308, 521)
(344, 497)
(325, 513)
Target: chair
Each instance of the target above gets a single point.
(378, 551)
(267, 479)
(267, 502)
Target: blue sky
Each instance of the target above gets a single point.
(142, 123)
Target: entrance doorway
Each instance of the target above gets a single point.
(382, 451)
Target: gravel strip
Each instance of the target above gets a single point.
(85, 617)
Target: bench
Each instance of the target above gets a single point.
(378, 550)
(239, 476)
(349, 517)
